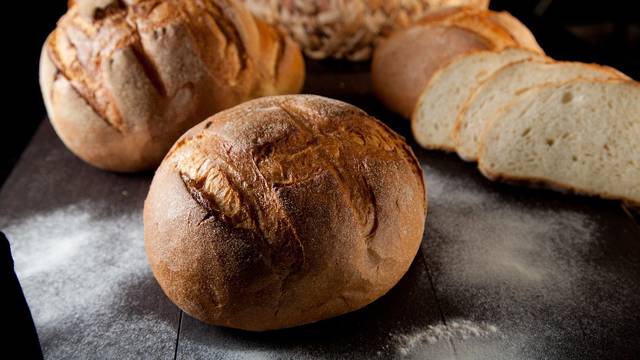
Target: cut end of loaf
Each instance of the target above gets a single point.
(582, 135)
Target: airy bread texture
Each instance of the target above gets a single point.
(435, 114)
(504, 86)
(284, 211)
(346, 28)
(581, 135)
(122, 80)
(404, 63)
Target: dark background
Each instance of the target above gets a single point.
(606, 32)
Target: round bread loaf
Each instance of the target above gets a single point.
(283, 211)
(122, 80)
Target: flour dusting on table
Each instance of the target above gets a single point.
(458, 330)
(83, 266)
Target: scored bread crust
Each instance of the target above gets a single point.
(403, 64)
(123, 80)
(546, 182)
(468, 155)
(284, 211)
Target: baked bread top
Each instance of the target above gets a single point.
(139, 73)
(284, 211)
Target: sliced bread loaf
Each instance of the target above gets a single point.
(403, 64)
(581, 135)
(441, 100)
(500, 88)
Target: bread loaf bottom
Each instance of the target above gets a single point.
(581, 135)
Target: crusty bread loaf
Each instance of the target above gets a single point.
(346, 28)
(504, 85)
(437, 108)
(403, 64)
(283, 211)
(581, 135)
(123, 80)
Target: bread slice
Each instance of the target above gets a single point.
(438, 106)
(499, 89)
(403, 64)
(581, 135)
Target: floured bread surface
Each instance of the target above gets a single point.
(284, 211)
(505, 85)
(581, 135)
(438, 106)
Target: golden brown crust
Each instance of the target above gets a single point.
(477, 20)
(520, 33)
(151, 69)
(305, 209)
(504, 29)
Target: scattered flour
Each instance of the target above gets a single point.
(85, 275)
(525, 267)
(492, 242)
(459, 330)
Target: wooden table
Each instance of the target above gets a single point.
(503, 273)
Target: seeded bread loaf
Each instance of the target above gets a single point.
(346, 28)
(442, 99)
(505, 85)
(581, 135)
(283, 211)
(122, 80)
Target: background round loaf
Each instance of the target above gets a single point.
(122, 80)
(346, 28)
(284, 211)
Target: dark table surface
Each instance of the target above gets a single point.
(503, 273)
